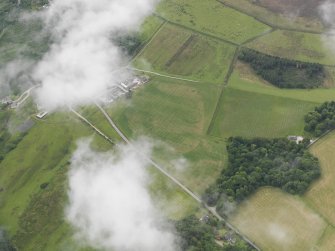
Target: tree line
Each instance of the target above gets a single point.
(284, 73)
(321, 120)
(253, 163)
(199, 235)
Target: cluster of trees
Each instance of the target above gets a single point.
(130, 44)
(284, 73)
(5, 244)
(200, 236)
(321, 120)
(8, 142)
(253, 163)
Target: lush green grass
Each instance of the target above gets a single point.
(248, 83)
(213, 18)
(295, 45)
(149, 27)
(178, 114)
(96, 117)
(179, 52)
(29, 213)
(169, 198)
(275, 19)
(248, 114)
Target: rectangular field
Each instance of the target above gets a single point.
(300, 46)
(180, 52)
(249, 83)
(247, 114)
(213, 18)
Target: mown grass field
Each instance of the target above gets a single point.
(273, 18)
(248, 114)
(178, 51)
(327, 241)
(279, 221)
(300, 46)
(178, 114)
(321, 196)
(213, 18)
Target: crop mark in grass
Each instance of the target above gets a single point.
(180, 50)
(196, 31)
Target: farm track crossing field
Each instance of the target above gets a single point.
(321, 196)
(295, 45)
(213, 18)
(180, 52)
(178, 114)
(277, 221)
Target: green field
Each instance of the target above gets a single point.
(248, 114)
(300, 46)
(178, 114)
(212, 18)
(41, 157)
(248, 83)
(180, 52)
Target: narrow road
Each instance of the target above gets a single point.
(162, 75)
(111, 122)
(176, 181)
(91, 125)
(23, 96)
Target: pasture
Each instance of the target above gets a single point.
(212, 18)
(321, 196)
(177, 51)
(278, 221)
(327, 240)
(248, 114)
(300, 46)
(247, 81)
(177, 114)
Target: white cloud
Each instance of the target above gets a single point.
(82, 62)
(327, 13)
(109, 202)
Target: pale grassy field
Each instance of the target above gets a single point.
(327, 242)
(278, 221)
(322, 194)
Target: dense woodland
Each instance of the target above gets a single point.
(253, 163)
(129, 44)
(321, 120)
(284, 73)
(200, 236)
